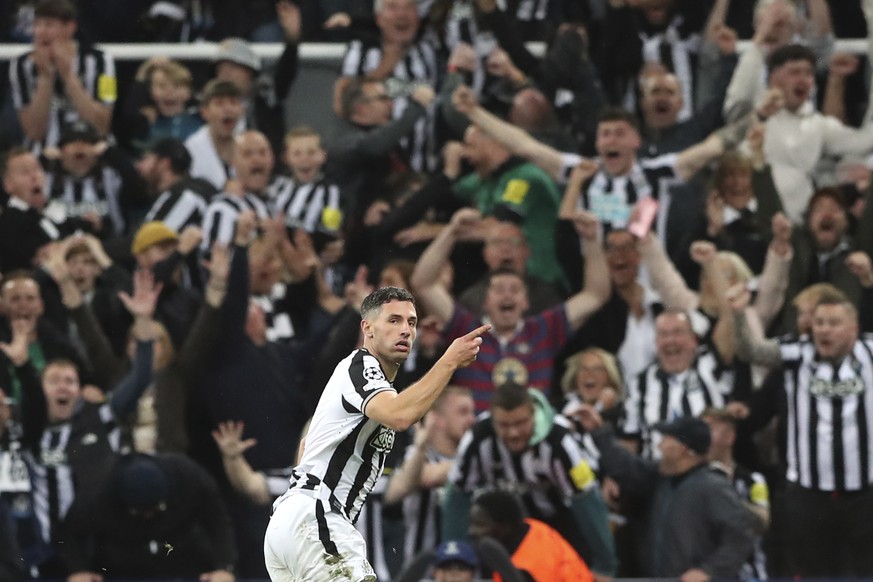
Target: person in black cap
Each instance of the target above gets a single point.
(455, 562)
(697, 527)
(154, 517)
(90, 181)
(179, 200)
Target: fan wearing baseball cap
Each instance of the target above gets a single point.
(698, 529)
(263, 96)
(455, 562)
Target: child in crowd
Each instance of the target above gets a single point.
(309, 200)
(168, 111)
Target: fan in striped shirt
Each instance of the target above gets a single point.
(402, 62)
(681, 382)
(523, 447)
(182, 200)
(307, 199)
(622, 179)
(751, 486)
(212, 146)
(828, 386)
(90, 181)
(71, 443)
(252, 164)
(60, 82)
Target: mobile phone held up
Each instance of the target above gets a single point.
(646, 210)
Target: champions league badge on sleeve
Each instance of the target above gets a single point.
(373, 374)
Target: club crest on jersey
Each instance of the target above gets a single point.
(383, 441)
(373, 374)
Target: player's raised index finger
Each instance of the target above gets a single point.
(478, 331)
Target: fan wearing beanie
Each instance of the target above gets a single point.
(168, 255)
(156, 517)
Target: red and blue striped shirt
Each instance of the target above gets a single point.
(526, 358)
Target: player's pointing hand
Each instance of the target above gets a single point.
(464, 350)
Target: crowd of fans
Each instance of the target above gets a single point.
(670, 239)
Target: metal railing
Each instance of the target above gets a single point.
(308, 51)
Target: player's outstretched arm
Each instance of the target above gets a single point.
(400, 411)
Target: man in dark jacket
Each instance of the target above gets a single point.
(368, 149)
(156, 517)
(698, 528)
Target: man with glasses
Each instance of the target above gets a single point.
(370, 146)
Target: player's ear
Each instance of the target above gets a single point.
(366, 328)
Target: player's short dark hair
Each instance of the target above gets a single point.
(619, 114)
(174, 150)
(502, 507)
(375, 300)
(61, 9)
(510, 395)
(788, 53)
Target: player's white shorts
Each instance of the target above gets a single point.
(305, 543)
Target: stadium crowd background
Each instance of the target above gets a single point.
(183, 260)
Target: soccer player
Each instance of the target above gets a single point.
(311, 533)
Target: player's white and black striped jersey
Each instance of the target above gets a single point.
(96, 70)
(829, 412)
(344, 452)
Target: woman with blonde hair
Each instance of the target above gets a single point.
(592, 377)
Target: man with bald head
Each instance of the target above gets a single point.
(252, 165)
(682, 381)
(661, 101)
